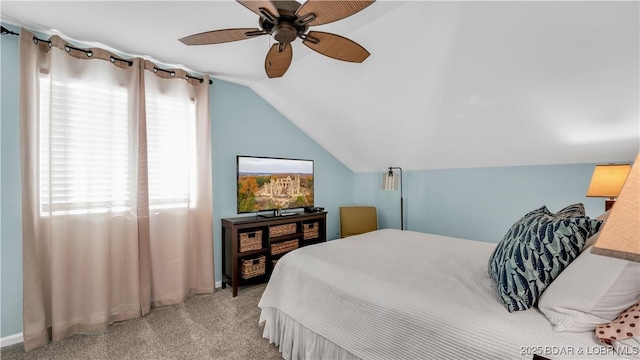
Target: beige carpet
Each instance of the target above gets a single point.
(216, 326)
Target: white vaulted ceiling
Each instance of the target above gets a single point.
(448, 84)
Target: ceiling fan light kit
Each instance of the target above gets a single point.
(287, 20)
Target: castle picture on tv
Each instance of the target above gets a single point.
(273, 183)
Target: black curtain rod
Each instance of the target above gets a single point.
(37, 40)
(114, 59)
(67, 47)
(173, 73)
(5, 31)
(199, 79)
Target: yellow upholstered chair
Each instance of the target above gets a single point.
(356, 220)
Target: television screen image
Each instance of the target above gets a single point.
(273, 184)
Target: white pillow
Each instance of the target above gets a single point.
(592, 239)
(592, 290)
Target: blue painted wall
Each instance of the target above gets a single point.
(242, 123)
(10, 218)
(479, 203)
(476, 204)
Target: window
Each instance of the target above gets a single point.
(85, 150)
(87, 153)
(171, 150)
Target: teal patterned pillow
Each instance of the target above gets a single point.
(574, 210)
(534, 252)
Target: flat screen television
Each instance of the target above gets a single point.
(273, 184)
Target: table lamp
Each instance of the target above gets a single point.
(620, 234)
(607, 181)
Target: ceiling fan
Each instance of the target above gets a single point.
(286, 20)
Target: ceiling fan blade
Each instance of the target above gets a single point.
(330, 11)
(256, 5)
(278, 60)
(335, 46)
(221, 36)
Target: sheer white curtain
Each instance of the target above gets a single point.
(180, 192)
(116, 192)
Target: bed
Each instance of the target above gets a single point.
(393, 294)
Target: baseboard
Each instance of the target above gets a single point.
(218, 284)
(11, 339)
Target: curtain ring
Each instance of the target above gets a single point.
(36, 41)
(89, 53)
(193, 77)
(67, 48)
(173, 73)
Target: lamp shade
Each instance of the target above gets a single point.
(607, 180)
(389, 181)
(620, 234)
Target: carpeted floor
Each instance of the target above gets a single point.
(216, 326)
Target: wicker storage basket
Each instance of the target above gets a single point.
(273, 263)
(251, 241)
(253, 267)
(281, 230)
(311, 230)
(284, 246)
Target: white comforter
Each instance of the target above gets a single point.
(394, 294)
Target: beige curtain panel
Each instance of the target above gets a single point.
(116, 188)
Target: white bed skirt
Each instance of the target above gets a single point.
(295, 341)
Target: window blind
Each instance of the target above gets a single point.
(85, 156)
(86, 152)
(170, 150)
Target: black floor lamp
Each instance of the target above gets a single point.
(390, 182)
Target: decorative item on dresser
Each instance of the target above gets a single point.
(607, 181)
(251, 245)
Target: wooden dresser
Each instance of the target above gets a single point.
(252, 245)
